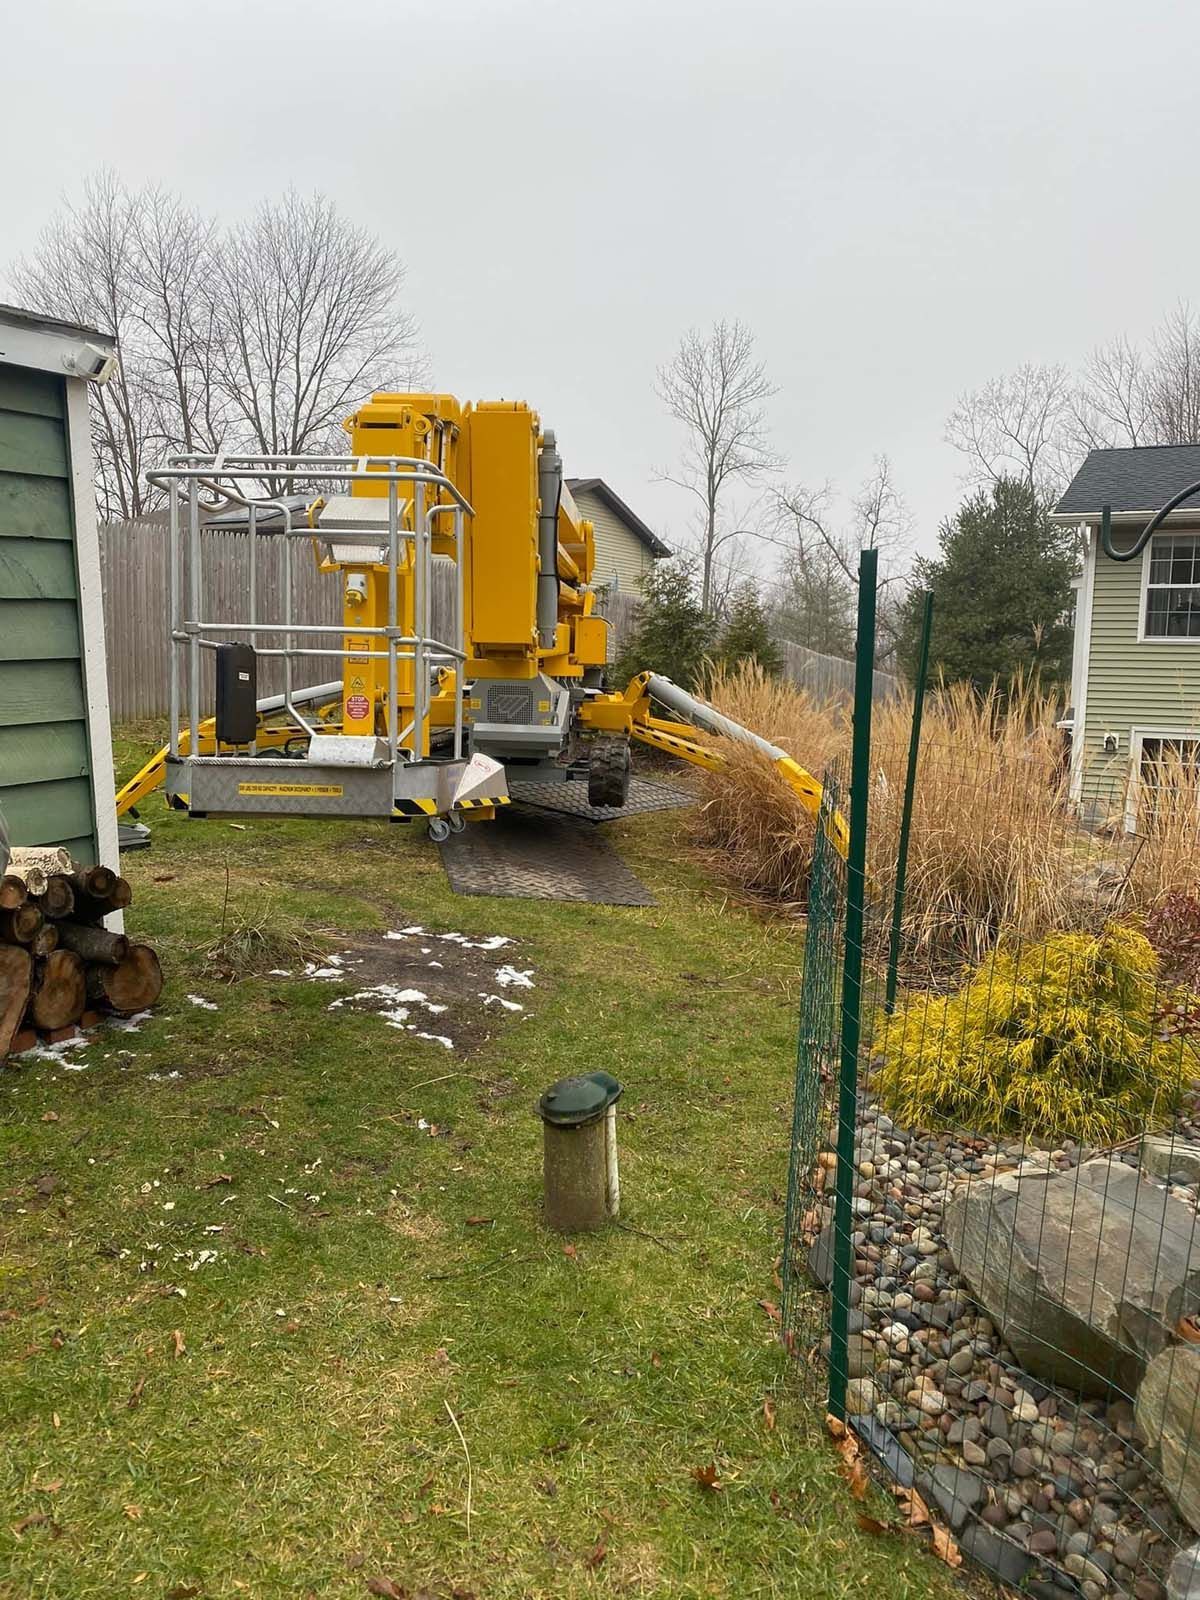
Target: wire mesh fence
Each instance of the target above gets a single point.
(992, 1259)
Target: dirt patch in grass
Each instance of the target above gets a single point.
(450, 989)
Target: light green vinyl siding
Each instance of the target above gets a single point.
(1130, 683)
(45, 781)
(619, 551)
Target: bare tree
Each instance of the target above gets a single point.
(717, 390)
(82, 270)
(1173, 379)
(821, 561)
(1016, 425)
(307, 323)
(260, 340)
(1112, 405)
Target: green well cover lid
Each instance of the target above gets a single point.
(574, 1101)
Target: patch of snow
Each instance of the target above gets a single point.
(199, 1000)
(499, 1000)
(279, 972)
(514, 978)
(438, 964)
(128, 1024)
(437, 1038)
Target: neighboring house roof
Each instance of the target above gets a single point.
(1136, 482)
(615, 504)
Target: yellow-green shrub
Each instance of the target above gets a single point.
(1058, 1039)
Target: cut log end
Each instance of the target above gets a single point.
(21, 925)
(61, 991)
(132, 985)
(58, 900)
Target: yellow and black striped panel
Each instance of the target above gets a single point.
(484, 800)
(416, 808)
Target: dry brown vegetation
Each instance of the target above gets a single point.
(994, 845)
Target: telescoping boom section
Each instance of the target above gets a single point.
(468, 649)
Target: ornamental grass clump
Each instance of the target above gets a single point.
(1058, 1039)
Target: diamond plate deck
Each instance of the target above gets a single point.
(570, 799)
(526, 855)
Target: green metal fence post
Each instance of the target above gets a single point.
(910, 783)
(851, 1030)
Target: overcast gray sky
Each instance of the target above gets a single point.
(901, 199)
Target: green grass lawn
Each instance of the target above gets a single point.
(276, 1420)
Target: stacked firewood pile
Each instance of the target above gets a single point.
(60, 969)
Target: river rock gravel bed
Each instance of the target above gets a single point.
(1060, 1484)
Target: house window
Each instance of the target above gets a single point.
(1173, 587)
(1168, 769)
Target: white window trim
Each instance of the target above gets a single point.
(1154, 638)
(1137, 735)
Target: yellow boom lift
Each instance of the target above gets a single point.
(421, 723)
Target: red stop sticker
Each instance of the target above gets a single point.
(357, 707)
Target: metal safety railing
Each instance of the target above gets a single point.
(201, 492)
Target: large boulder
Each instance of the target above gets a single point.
(1086, 1273)
(1168, 1414)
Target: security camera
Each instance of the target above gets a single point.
(91, 363)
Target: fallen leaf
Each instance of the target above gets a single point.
(386, 1588)
(132, 1512)
(707, 1478)
(221, 1177)
(135, 1394)
(46, 1185)
(291, 1327)
(241, 828)
(355, 1560)
(772, 1310)
(570, 1252)
(769, 1412)
(915, 1510)
(873, 1525)
(49, 1488)
(42, 1300)
(479, 1222)
(56, 1419)
(49, 1116)
(33, 1520)
(548, 1487)
(944, 1547)
(164, 877)
(655, 1359)
(56, 1339)
(596, 1556)
(851, 1454)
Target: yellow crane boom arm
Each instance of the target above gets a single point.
(631, 711)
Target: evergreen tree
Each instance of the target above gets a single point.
(672, 635)
(1002, 591)
(747, 634)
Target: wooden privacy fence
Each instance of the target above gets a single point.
(133, 562)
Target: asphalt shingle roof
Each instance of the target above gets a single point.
(1139, 479)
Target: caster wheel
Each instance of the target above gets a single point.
(439, 830)
(457, 822)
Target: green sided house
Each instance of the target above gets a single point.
(56, 770)
(1135, 687)
(625, 547)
